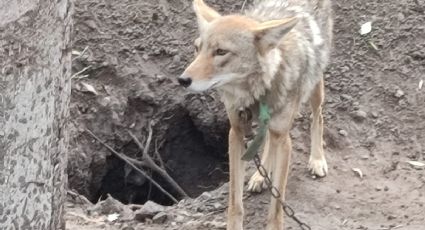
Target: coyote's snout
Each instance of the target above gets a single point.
(276, 52)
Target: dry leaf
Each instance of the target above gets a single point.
(88, 88)
(416, 164)
(113, 217)
(366, 28)
(358, 171)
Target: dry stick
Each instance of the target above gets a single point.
(161, 162)
(80, 197)
(124, 158)
(243, 5)
(151, 164)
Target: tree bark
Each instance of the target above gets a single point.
(35, 70)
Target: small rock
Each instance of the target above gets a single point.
(378, 188)
(343, 133)
(359, 115)
(375, 114)
(391, 217)
(346, 97)
(205, 196)
(179, 218)
(148, 211)
(160, 218)
(364, 157)
(399, 93)
(107, 206)
(217, 205)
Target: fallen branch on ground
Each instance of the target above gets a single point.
(148, 162)
(132, 163)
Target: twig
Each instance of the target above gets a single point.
(80, 197)
(81, 54)
(124, 158)
(80, 72)
(151, 164)
(243, 5)
(158, 156)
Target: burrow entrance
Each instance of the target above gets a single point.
(190, 159)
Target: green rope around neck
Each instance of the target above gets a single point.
(264, 118)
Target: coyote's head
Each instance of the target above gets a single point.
(230, 48)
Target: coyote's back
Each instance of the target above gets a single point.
(312, 35)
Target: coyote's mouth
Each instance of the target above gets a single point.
(215, 82)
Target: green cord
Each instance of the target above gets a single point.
(264, 118)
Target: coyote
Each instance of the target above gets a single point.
(277, 51)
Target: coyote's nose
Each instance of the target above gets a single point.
(184, 81)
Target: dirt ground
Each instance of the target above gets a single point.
(374, 117)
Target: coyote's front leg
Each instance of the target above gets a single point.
(236, 171)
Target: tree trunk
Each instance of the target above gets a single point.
(35, 68)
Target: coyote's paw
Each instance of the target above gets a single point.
(256, 183)
(318, 167)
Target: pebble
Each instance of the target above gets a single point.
(160, 218)
(346, 97)
(205, 196)
(364, 157)
(399, 93)
(343, 133)
(359, 115)
(148, 211)
(179, 218)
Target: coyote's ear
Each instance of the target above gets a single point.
(204, 13)
(269, 33)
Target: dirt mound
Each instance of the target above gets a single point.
(374, 116)
(124, 66)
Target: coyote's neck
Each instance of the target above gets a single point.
(245, 93)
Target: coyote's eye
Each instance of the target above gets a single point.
(220, 52)
(196, 49)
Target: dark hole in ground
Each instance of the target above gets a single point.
(194, 165)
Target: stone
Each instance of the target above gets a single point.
(359, 115)
(399, 93)
(148, 211)
(343, 133)
(179, 218)
(160, 218)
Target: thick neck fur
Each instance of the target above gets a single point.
(245, 93)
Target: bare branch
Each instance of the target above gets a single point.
(151, 164)
(125, 158)
(158, 156)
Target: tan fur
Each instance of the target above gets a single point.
(277, 51)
